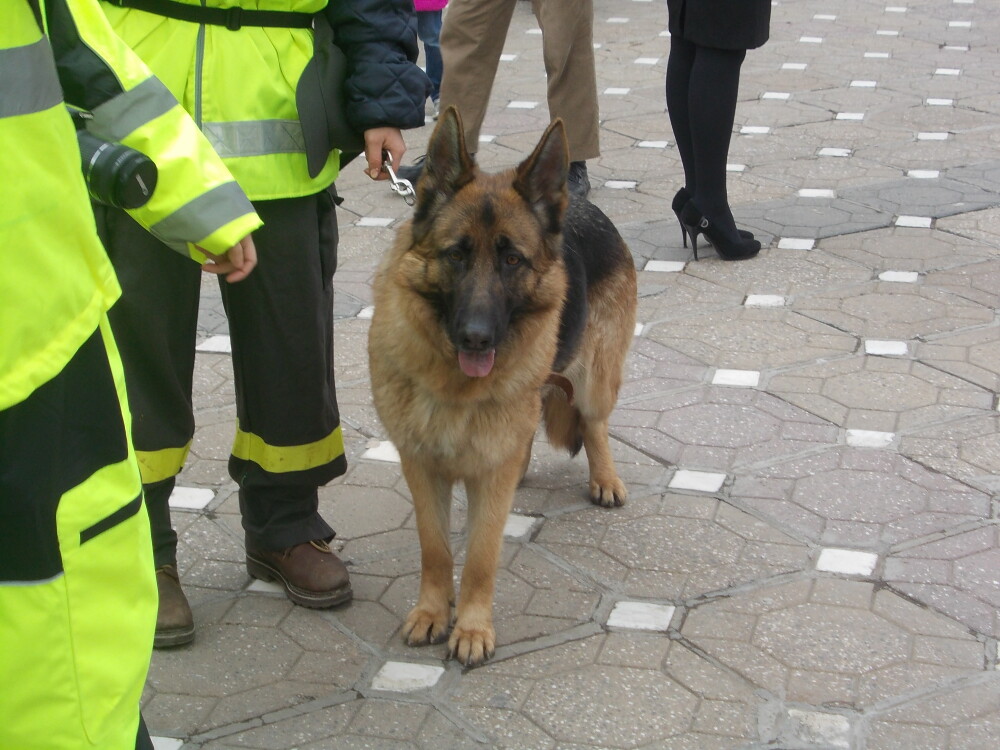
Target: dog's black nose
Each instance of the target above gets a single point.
(476, 336)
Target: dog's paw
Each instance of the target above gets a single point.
(608, 494)
(472, 645)
(424, 627)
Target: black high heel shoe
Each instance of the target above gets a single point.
(677, 205)
(681, 199)
(694, 223)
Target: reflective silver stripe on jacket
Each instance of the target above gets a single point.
(202, 216)
(28, 80)
(128, 111)
(255, 137)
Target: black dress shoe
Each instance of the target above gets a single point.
(577, 181)
(413, 171)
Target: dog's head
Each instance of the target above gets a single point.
(490, 245)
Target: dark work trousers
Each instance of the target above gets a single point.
(288, 440)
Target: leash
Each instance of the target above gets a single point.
(398, 185)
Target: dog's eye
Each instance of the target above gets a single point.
(455, 255)
(512, 259)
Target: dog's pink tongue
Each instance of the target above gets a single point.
(476, 364)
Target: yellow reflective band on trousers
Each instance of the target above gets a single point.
(156, 466)
(280, 459)
(85, 636)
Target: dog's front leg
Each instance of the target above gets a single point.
(473, 639)
(428, 621)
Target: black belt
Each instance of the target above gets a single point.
(232, 18)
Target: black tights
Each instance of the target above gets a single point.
(702, 88)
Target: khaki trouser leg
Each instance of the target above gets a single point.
(568, 48)
(472, 40)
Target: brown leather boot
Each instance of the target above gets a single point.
(309, 572)
(174, 621)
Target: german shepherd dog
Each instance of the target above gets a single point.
(499, 286)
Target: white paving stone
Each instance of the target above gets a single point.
(936, 136)
(521, 104)
(518, 526)
(764, 300)
(847, 561)
(383, 451)
(366, 313)
(487, 138)
(653, 144)
(837, 152)
(863, 84)
(265, 587)
(796, 243)
(665, 266)
(617, 91)
(508, 58)
(740, 378)
(816, 193)
(166, 743)
(794, 66)
(702, 481)
(819, 729)
(850, 115)
(924, 174)
(404, 677)
(641, 616)
(869, 438)
(877, 55)
(191, 498)
(882, 348)
(811, 39)
(939, 102)
(778, 95)
(755, 129)
(620, 184)
(917, 222)
(216, 345)
(647, 60)
(374, 221)
(736, 167)
(902, 277)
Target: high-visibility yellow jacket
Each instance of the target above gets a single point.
(240, 85)
(56, 282)
(76, 623)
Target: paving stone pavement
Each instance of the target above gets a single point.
(810, 557)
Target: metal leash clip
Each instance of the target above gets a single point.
(399, 186)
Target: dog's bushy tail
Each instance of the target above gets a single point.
(563, 423)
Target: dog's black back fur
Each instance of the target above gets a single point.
(592, 250)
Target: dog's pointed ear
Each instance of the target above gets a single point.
(447, 168)
(541, 178)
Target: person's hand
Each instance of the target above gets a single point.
(236, 263)
(378, 140)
